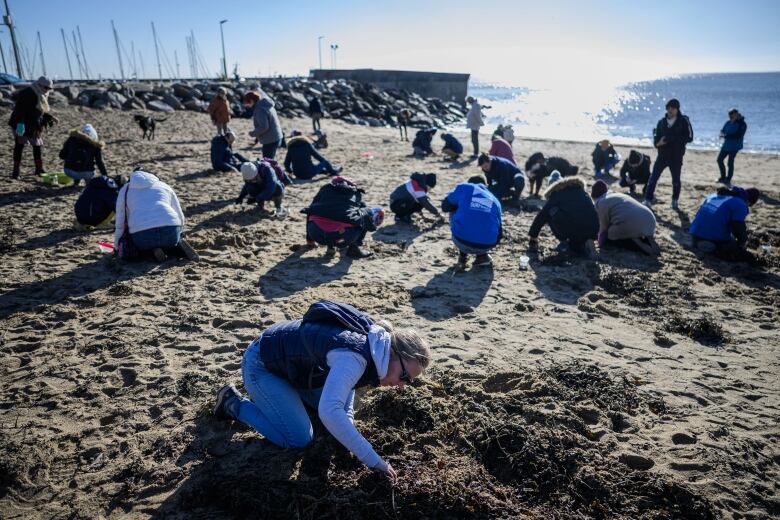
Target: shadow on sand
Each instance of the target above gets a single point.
(451, 293)
(296, 273)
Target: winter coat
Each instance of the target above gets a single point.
(414, 190)
(422, 140)
(476, 218)
(501, 176)
(733, 135)
(569, 211)
(718, 214)
(27, 111)
(266, 187)
(223, 158)
(474, 117)
(600, 156)
(219, 110)
(677, 137)
(341, 204)
(97, 201)
(150, 204)
(267, 128)
(315, 107)
(300, 152)
(451, 142)
(639, 173)
(621, 216)
(501, 148)
(80, 153)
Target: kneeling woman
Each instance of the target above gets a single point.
(319, 361)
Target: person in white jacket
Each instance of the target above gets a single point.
(151, 211)
(319, 361)
(474, 121)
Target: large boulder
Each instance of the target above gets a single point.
(69, 92)
(195, 105)
(183, 91)
(173, 102)
(159, 106)
(133, 103)
(374, 122)
(56, 98)
(114, 99)
(83, 100)
(100, 104)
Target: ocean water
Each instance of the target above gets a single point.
(626, 114)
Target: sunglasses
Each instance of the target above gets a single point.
(405, 377)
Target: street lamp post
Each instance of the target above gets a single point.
(319, 49)
(224, 60)
(333, 48)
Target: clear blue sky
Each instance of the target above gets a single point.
(511, 41)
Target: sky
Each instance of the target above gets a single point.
(514, 42)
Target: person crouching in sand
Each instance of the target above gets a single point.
(452, 147)
(475, 222)
(623, 221)
(261, 185)
(223, 158)
(82, 151)
(318, 362)
(338, 218)
(570, 214)
(505, 179)
(412, 197)
(635, 170)
(97, 202)
(421, 146)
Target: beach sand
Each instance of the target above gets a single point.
(108, 370)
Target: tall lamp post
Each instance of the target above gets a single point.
(224, 60)
(334, 47)
(319, 49)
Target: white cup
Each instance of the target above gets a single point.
(524, 262)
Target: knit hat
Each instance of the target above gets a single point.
(753, 195)
(377, 216)
(554, 177)
(470, 99)
(674, 103)
(249, 171)
(477, 179)
(44, 82)
(598, 189)
(90, 131)
(430, 180)
(295, 132)
(251, 96)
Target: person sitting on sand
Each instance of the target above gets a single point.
(504, 178)
(422, 142)
(149, 210)
(97, 202)
(223, 158)
(719, 226)
(570, 214)
(298, 161)
(635, 170)
(219, 110)
(500, 147)
(267, 129)
(260, 185)
(475, 222)
(733, 135)
(536, 171)
(623, 221)
(452, 147)
(412, 197)
(81, 151)
(315, 112)
(338, 218)
(318, 361)
(404, 118)
(604, 158)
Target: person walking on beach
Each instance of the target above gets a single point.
(261, 185)
(219, 110)
(623, 221)
(223, 158)
(412, 197)
(604, 158)
(81, 151)
(30, 116)
(474, 121)
(635, 170)
(671, 135)
(298, 160)
(317, 362)
(267, 129)
(504, 178)
(733, 135)
(315, 112)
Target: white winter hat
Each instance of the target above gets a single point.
(555, 176)
(248, 171)
(90, 131)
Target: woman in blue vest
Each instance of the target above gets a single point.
(319, 361)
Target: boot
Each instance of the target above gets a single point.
(39, 167)
(483, 261)
(15, 172)
(463, 260)
(354, 251)
(188, 251)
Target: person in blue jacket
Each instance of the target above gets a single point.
(733, 135)
(223, 158)
(452, 147)
(475, 222)
(719, 226)
(298, 161)
(504, 177)
(604, 158)
(95, 205)
(260, 185)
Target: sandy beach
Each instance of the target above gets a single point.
(663, 374)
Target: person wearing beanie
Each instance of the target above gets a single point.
(623, 221)
(474, 121)
(570, 215)
(219, 110)
(554, 177)
(421, 145)
(720, 223)
(300, 155)
(262, 184)
(338, 218)
(475, 221)
(30, 116)
(412, 197)
(504, 178)
(733, 135)
(223, 158)
(452, 147)
(604, 158)
(81, 151)
(672, 133)
(635, 170)
(267, 130)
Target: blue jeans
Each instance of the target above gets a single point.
(316, 169)
(675, 166)
(608, 165)
(275, 408)
(353, 235)
(78, 176)
(469, 250)
(165, 237)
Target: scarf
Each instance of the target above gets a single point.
(43, 98)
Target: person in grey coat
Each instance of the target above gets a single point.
(267, 129)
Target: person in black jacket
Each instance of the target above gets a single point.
(422, 142)
(315, 112)
(29, 118)
(223, 158)
(298, 161)
(96, 203)
(81, 151)
(635, 170)
(604, 158)
(670, 137)
(504, 178)
(571, 215)
(412, 197)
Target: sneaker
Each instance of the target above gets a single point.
(331, 251)
(406, 219)
(463, 260)
(281, 213)
(675, 206)
(337, 170)
(159, 254)
(188, 251)
(224, 395)
(354, 251)
(483, 261)
(720, 181)
(643, 246)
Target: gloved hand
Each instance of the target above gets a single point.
(239, 201)
(20, 128)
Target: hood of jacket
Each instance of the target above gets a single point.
(78, 134)
(298, 140)
(379, 344)
(266, 102)
(140, 180)
(563, 184)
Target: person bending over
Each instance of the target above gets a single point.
(260, 185)
(412, 197)
(623, 221)
(504, 178)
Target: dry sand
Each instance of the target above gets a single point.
(107, 369)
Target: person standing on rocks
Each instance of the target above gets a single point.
(219, 110)
(474, 121)
(671, 135)
(318, 362)
(267, 128)
(315, 112)
(29, 118)
(733, 134)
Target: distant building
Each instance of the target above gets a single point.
(444, 85)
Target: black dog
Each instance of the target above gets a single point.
(147, 124)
